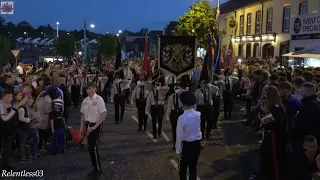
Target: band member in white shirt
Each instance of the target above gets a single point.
(188, 145)
(205, 105)
(75, 89)
(174, 109)
(94, 113)
(118, 96)
(155, 106)
(139, 97)
(228, 82)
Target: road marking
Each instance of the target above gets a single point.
(147, 132)
(164, 135)
(176, 166)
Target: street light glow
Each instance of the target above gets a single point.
(68, 33)
(107, 32)
(24, 32)
(80, 52)
(92, 25)
(57, 23)
(117, 34)
(120, 31)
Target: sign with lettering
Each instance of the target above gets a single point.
(7, 7)
(305, 27)
(15, 53)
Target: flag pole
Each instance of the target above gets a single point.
(218, 29)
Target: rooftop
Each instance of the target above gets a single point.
(233, 5)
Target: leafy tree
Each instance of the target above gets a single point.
(199, 21)
(108, 45)
(4, 50)
(2, 21)
(65, 45)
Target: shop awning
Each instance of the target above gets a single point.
(317, 56)
(305, 53)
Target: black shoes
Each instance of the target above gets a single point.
(94, 174)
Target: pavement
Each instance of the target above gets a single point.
(126, 154)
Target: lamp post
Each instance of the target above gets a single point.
(26, 34)
(44, 35)
(85, 45)
(57, 23)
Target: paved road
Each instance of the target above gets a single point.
(127, 154)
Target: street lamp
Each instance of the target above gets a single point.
(107, 32)
(25, 33)
(68, 33)
(120, 31)
(118, 35)
(85, 44)
(57, 23)
(92, 25)
(44, 35)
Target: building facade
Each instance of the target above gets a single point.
(261, 28)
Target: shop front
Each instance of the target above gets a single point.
(305, 41)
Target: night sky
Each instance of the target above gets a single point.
(107, 15)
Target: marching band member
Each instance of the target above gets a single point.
(75, 89)
(118, 96)
(155, 106)
(139, 97)
(83, 83)
(188, 137)
(174, 109)
(101, 83)
(228, 82)
(205, 105)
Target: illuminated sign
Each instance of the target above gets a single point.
(7, 7)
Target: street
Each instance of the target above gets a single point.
(230, 154)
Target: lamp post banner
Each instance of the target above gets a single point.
(177, 54)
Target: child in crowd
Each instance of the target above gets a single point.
(58, 126)
(23, 127)
(8, 126)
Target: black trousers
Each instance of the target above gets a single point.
(66, 113)
(142, 117)
(206, 119)
(216, 110)
(126, 95)
(189, 160)
(7, 141)
(93, 140)
(84, 92)
(43, 137)
(174, 115)
(157, 112)
(119, 106)
(75, 95)
(228, 103)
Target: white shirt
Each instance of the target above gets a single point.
(20, 69)
(91, 108)
(188, 128)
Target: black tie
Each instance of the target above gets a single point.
(119, 88)
(156, 97)
(141, 91)
(204, 96)
(177, 101)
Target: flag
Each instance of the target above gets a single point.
(146, 68)
(118, 55)
(218, 12)
(229, 58)
(207, 62)
(217, 57)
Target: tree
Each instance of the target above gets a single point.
(199, 21)
(2, 21)
(108, 45)
(4, 50)
(65, 45)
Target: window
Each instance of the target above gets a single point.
(241, 25)
(286, 19)
(303, 8)
(249, 21)
(256, 50)
(258, 22)
(269, 20)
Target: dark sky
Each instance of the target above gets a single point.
(107, 15)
